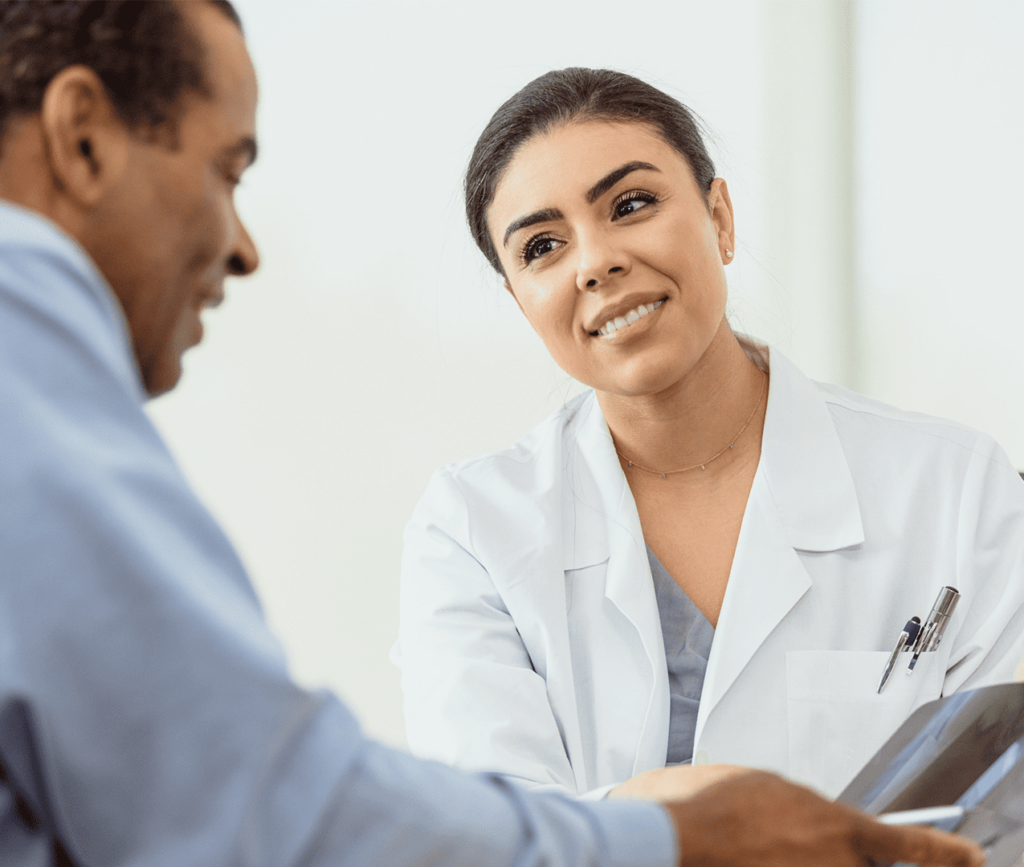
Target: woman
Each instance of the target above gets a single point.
(708, 556)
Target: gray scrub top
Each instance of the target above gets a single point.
(688, 635)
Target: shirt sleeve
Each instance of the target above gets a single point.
(445, 816)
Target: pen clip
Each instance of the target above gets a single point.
(945, 605)
(907, 637)
(934, 627)
(913, 630)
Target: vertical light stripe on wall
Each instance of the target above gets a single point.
(809, 126)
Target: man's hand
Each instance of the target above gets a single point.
(675, 781)
(756, 819)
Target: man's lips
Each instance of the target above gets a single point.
(206, 302)
(212, 301)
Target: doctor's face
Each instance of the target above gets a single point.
(613, 253)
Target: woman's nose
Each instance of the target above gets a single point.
(600, 260)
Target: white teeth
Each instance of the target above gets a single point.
(632, 316)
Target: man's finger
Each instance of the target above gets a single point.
(917, 845)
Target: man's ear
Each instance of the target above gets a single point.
(86, 141)
(511, 291)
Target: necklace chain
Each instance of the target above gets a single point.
(716, 455)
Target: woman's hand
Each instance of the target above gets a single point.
(676, 781)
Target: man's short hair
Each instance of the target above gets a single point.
(142, 50)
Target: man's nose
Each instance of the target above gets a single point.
(245, 258)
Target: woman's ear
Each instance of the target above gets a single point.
(720, 207)
(85, 139)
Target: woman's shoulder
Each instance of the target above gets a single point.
(517, 490)
(523, 479)
(534, 453)
(852, 411)
(884, 447)
(899, 443)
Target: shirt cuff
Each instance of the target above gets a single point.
(597, 794)
(636, 828)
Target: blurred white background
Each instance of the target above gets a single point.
(873, 151)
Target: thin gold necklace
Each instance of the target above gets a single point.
(716, 455)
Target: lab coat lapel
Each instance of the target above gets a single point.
(607, 522)
(802, 499)
(766, 581)
(601, 522)
(805, 466)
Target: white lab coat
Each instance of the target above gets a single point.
(530, 641)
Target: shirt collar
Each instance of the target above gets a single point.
(24, 231)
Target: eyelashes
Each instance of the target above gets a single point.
(535, 247)
(625, 205)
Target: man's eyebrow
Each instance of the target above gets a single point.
(245, 147)
(613, 177)
(536, 217)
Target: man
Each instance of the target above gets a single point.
(146, 714)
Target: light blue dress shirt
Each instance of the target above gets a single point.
(688, 635)
(146, 712)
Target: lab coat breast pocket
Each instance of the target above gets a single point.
(837, 718)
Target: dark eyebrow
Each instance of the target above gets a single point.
(593, 194)
(529, 220)
(613, 177)
(245, 147)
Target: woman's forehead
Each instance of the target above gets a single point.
(570, 158)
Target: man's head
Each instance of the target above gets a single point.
(129, 123)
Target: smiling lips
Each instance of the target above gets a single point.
(634, 315)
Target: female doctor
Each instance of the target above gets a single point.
(708, 557)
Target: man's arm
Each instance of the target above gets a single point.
(146, 711)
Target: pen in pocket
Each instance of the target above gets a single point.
(917, 638)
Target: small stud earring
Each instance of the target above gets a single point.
(728, 253)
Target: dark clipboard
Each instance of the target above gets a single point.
(965, 749)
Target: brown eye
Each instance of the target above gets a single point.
(537, 247)
(631, 202)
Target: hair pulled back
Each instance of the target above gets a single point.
(563, 96)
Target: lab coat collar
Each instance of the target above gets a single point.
(595, 486)
(804, 464)
(802, 499)
(801, 458)
(601, 523)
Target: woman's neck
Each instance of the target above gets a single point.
(696, 419)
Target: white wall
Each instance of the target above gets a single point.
(373, 345)
(940, 221)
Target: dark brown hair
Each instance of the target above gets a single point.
(142, 50)
(563, 96)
